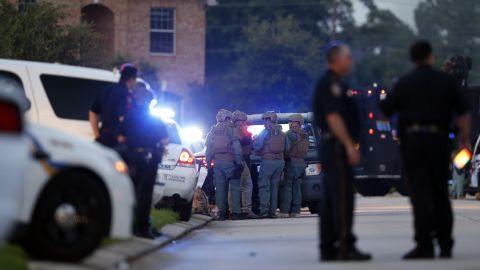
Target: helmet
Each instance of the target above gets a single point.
(223, 114)
(271, 115)
(239, 116)
(296, 118)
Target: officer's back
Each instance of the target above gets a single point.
(424, 96)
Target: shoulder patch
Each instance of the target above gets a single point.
(336, 90)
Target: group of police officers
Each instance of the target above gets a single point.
(229, 146)
(120, 119)
(425, 100)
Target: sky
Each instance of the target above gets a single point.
(403, 9)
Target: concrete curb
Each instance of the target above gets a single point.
(119, 255)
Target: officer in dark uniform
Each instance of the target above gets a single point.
(145, 138)
(425, 100)
(336, 115)
(110, 107)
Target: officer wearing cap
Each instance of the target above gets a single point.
(270, 144)
(145, 139)
(110, 107)
(291, 190)
(223, 147)
(336, 115)
(246, 186)
(425, 100)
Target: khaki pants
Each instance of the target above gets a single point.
(246, 189)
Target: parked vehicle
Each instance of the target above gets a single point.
(61, 97)
(16, 153)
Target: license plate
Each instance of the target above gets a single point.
(313, 169)
(174, 178)
(166, 167)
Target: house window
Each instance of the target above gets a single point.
(162, 30)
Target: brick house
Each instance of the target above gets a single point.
(170, 34)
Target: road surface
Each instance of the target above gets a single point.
(383, 225)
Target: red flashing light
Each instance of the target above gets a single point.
(370, 115)
(370, 131)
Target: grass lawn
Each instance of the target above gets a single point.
(13, 257)
(163, 217)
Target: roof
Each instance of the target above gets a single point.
(282, 117)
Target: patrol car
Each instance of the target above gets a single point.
(12, 165)
(61, 97)
(73, 193)
(311, 182)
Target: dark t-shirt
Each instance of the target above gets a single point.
(142, 130)
(425, 96)
(112, 104)
(332, 95)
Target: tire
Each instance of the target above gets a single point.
(373, 187)
(71, 217)
(184, 209)
(314, 207)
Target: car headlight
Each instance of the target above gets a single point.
(120, 167)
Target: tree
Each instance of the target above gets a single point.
(380, 47)
(37, 33)
(453, 28)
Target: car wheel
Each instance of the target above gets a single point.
(184, 209)
(314, 207)
(373, 187)
(71, 217)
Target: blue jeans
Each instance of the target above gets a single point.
(268, 180)
(292, 189)
(223, 175)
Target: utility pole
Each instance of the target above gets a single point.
(334, 20)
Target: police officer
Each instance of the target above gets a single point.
(110, 107)
(425, 100)
(291, 203)
(336, 115)
(223, 147)
(270, 145)
(145, 138)
(246, 186)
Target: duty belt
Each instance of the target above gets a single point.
(325, 136)
(272, 156)
(417, 128)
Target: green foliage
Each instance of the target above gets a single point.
(36, 33)
(163, 217)
(13, 257)
(453, 28)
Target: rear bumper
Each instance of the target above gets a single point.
(180, 182)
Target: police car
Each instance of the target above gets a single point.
(61, 97)
(65, 194)
(14, 161)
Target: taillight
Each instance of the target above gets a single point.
(203, 161)
(10, 118)
(186, 159)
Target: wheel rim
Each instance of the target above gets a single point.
(69, 216)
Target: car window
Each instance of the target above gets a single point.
(71, 98)
(173, 134)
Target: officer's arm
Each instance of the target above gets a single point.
(464, 127)
(259, 140)
(288, 142)
(208, 150)
(339, 130)
(94, 123)
(237, 148)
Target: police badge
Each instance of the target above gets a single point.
(336, 90)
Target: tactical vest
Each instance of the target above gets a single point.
(274, 145)
(299, 147)
(221, 141)
(244, 138)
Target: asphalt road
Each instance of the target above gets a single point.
(383, 226)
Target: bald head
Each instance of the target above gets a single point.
(339, 59)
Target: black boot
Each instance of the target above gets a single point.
(235, 216)
(355, 255)
(328, 256)
(420, 252)
(446, 249)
